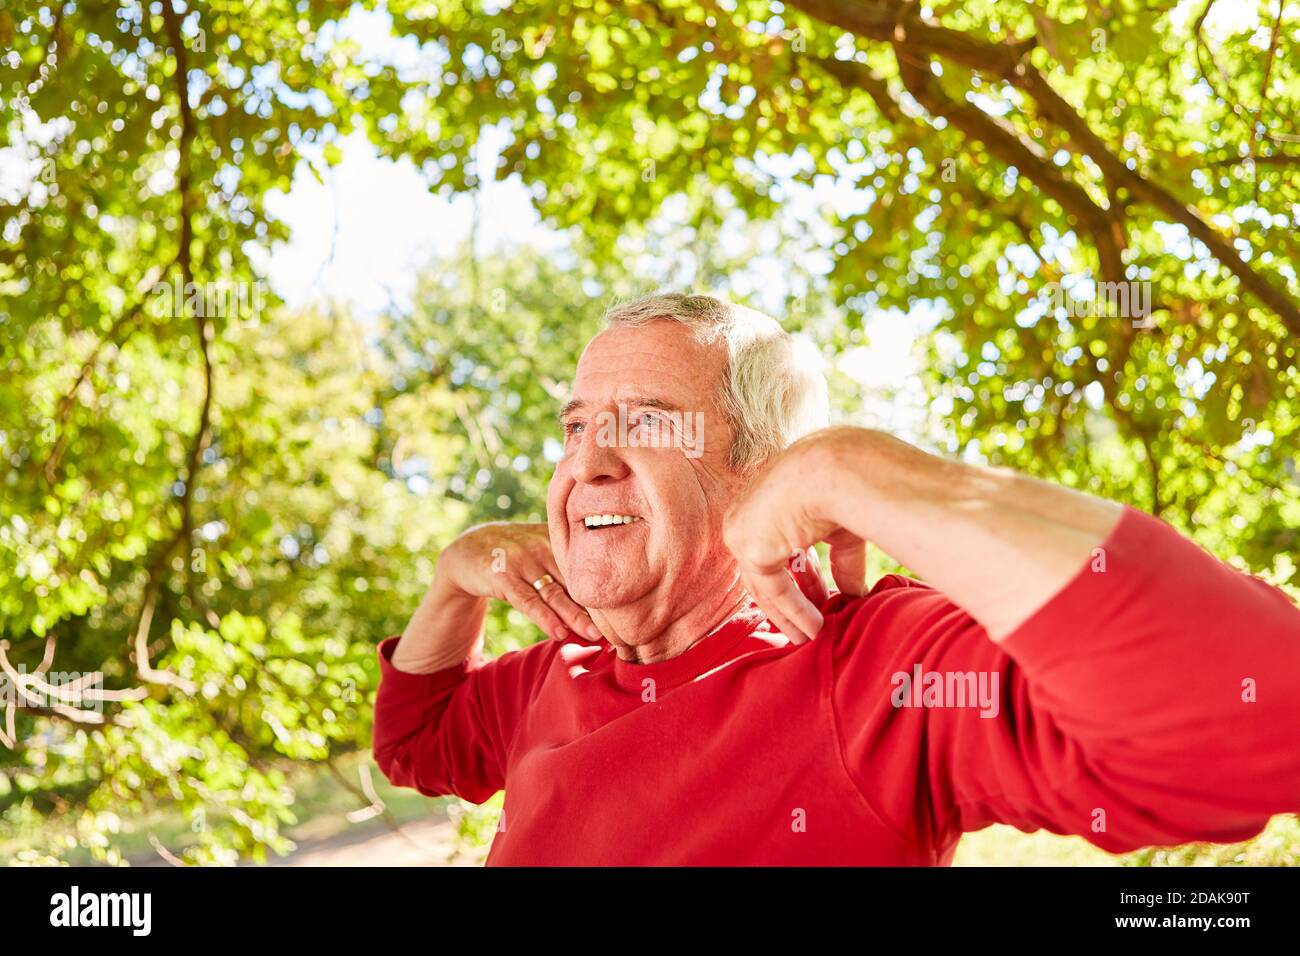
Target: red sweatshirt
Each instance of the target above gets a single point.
(1156, 701)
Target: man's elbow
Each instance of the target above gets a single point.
(385, 757)
(392, 757)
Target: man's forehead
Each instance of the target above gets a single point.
(660, 361)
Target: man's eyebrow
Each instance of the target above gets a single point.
(645, 401)
(569, 408)
(640, 401)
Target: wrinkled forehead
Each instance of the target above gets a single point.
(660, 360)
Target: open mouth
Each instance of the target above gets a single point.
(605, 522)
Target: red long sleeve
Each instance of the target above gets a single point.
(1122, 715)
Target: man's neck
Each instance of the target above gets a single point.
(641, 635)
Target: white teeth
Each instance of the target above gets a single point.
(600, 521)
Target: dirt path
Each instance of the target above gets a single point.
(430, 842)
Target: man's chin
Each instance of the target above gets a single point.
(602, 594)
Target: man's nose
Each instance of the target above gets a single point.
(598, 459)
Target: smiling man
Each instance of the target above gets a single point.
(1068, 663)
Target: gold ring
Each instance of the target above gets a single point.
(544, 580)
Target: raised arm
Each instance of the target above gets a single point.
(443, 716)
(998, 543)
(499, 560)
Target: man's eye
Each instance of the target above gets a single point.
(651, 420)
(572, 428)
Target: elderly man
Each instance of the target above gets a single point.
(1070, 663)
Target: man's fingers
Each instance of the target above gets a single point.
(849, 563)
(563, 605)
(785, 627)
(525, 598)
(778, 593)
(553, 595)
(807, 570)
(573, 612)
(773, 615)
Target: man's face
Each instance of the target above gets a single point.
(678, 492)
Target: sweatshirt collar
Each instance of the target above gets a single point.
(700, 657)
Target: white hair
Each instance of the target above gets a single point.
(773, 391)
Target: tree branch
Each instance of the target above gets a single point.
(852, 74)
(902, 26)
(1252, 118)
(1006, 143)
(184, 258)
(123, 327)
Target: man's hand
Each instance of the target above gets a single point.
(997, 543)
(782, 512)
(501, 560)
(498, 560)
